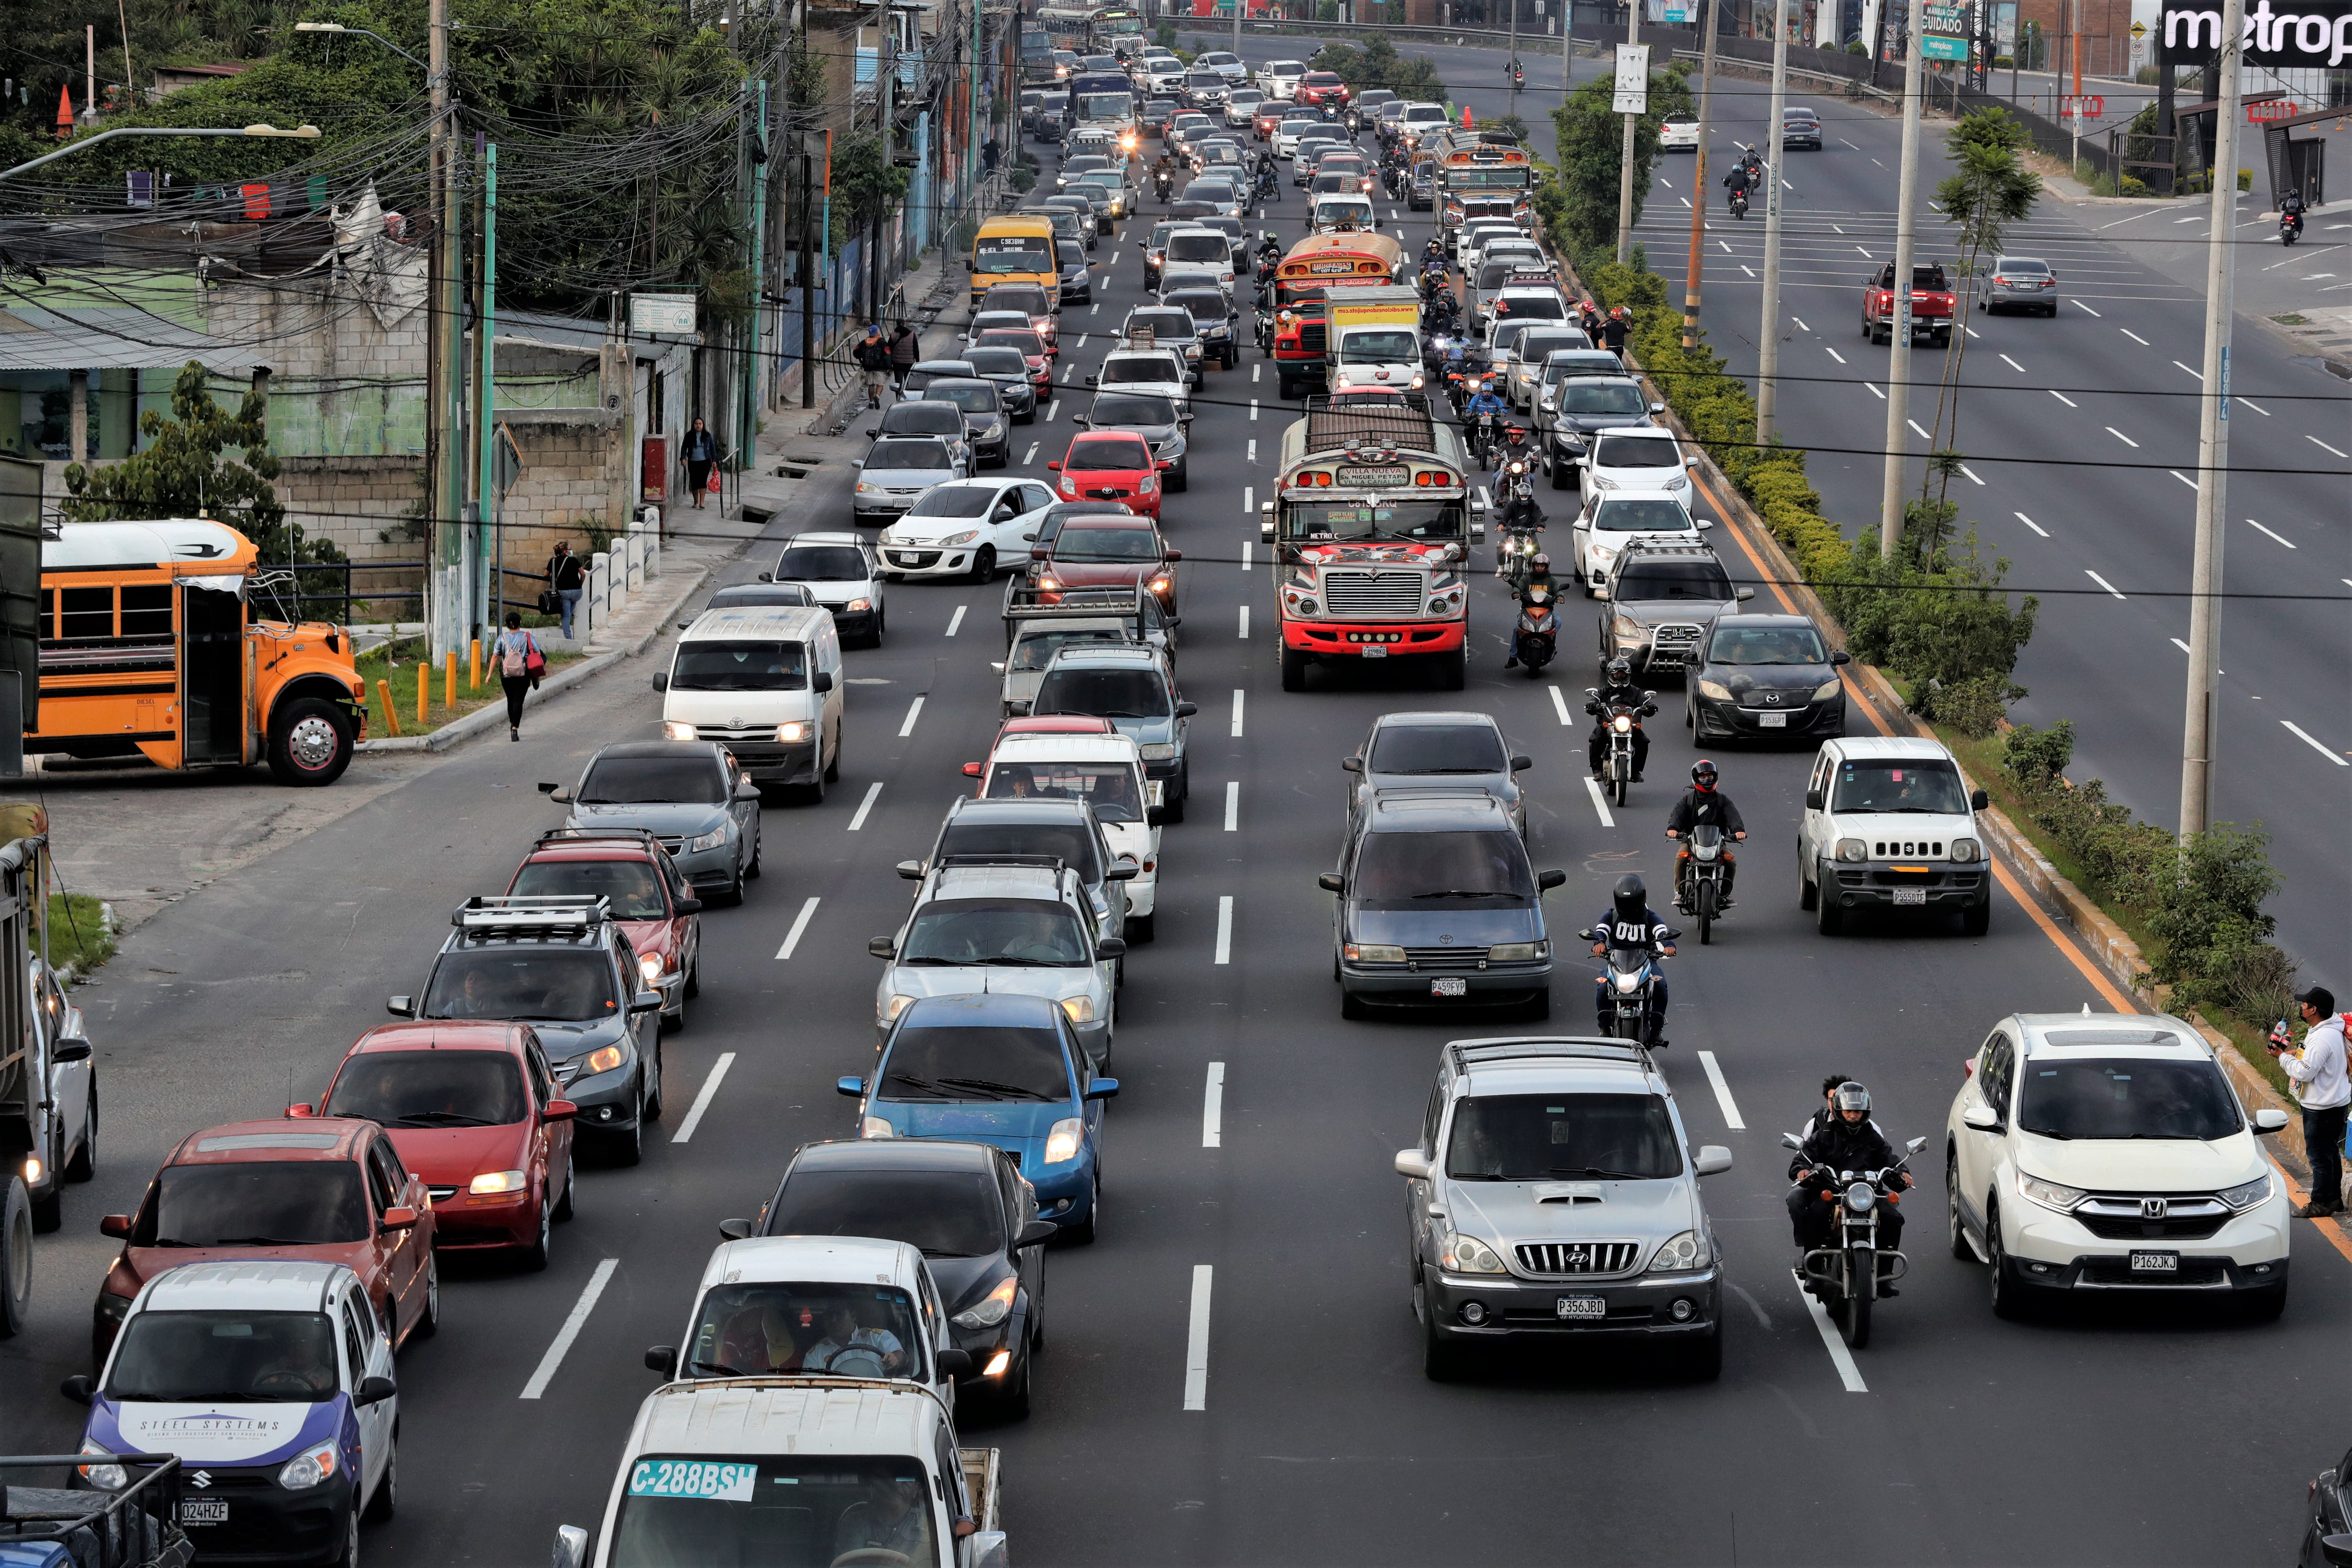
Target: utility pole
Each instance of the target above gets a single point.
(1511, 88)
(1567, 49)
(486, 400)
(1711, 23)
(1898, 362)
(2212, 447)
(444, 456)
(1768, 346)
(1625, 159)
(748, 422)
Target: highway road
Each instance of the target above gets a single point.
(1253, 1140)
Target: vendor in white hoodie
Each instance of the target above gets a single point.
(2317, 1075)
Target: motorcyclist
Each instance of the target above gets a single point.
(2290, 210)
(1542, 589)
(1483, 401)
(1433, 251)
(1738, 182)
(1518, 78)
(1628, 922)
(1163, 175)
(1851, 1142)
(1752, 159)
(1618, 691)
(1704, 806)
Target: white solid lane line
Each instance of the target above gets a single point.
(1253, 408)
(1560, 704)
(710, 1092)
(1749, 270)
(2031, 524)
(1915, 425)
(1834, 353)
(1252, 451)
(1245, 632)
(1599, 801)
(1053, 406)
(1801, 323)
(1237, 712)
(1212, 1108)
(1722, 1092)
(873, 793)
(2062, 397)
(1726, 246)
(2184, 478)
(1254, 368)
(955, 622)
(2013, 364)
(2134, 337)
(1225, 927)
(570, 1331)
(2248, 403)
(2281, 537)
(2179, 644)
(1848, 1373)
(1249, 503)
(799, 924)
(1196, 1343)
(913, 713)
(1232, 805)
(1971, 473)
(2124, 439)
(2102, 582)
(2298, 733)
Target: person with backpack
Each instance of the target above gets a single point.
(873, 357)
(519, 663)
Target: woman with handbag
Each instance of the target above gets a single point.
(520, 664)
(701, 456)
(564, 582)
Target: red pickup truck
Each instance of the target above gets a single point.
(1932, 305)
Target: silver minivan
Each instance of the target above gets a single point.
(764, 682)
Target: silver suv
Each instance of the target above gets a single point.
(1554, 1195)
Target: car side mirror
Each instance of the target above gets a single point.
(1812, 800)
(1841, 657)
(72, 1048)
(1979, 800)
(80, 1388)
(852, 1086)
(953, 1363)
(1703, 524)
(736, 1229)
(882, 947)
(2268, 1121)
(571, 1547)
(556, 794)
(115, 1225)
(1549, 880)
(1331, 882)
(662, 1359)
(1036, 1233)
(1111, 947)
(1122, 869)
(1657, 408)
(300, 1112)
(1521, 761)
(821, 682)
(646, 1002)
(1055, 464)
(744, 788)
(1094, 380)
(972, 770)
(1351, 764)
(399, 1216)
(1102, 1089)
(375, 1391)
(1173, 554)
(686, 907)
(1743, 594)
(860, 462)
(661, 680)
(1983, 1118)
(1412, 1162)
(1040, 552)
(399, 1006)
(912, 870)
(1713, 1160)
(559, 1110)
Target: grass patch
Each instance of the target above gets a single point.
(397, 662)
(2293, 319)
(80, 936)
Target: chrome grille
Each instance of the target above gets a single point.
(2179, 1216)
(1577, 1257)
(1675, 639)
(1458, 959)
(566, 1071)
(1351, 592)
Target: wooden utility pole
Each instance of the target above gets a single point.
(443, 451)
(1711, 24)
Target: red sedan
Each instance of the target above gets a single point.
(1107, 553)
(654, 904)
(1033, 347)
(313, 1190)
(1316, 89)
(473, 1109)
(1112, 465)
(1269, 117)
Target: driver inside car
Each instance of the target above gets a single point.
(843, 1338)
(894, 1524)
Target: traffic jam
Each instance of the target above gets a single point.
(1454, 467)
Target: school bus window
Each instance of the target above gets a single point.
(146, 609)
(87, 612)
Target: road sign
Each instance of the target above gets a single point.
(2139, 31)
(1633, 83)
(672, 313)
(1932, 47)
(2089, 105)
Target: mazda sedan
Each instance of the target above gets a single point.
(1766, 678)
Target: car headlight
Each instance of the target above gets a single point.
(898, 1003)
(1853, 849)
(1069, 486)
(1159, 752)
(650, 967)
(875, 1127)
(1062, 1142)
(1625, 628)
(710, 840)
(856, 606)
(790, 734)
(2240, 1199)
(605, 1059)
(1372, 953)
(1519, 952)
(673, 729)
(890, 536)
(866, 489)
(992, 1308)
(498, 1182)
(1828, 688)
(1680, 1254)
(1149, 483)
(1715, 690)
(1468, 1255)
(1679, 482)
(314, 1466)
(1965, 849)
(966, 537)
(1600, 482)
(1081, 1009)
(2049, 1195)
(105, 1477)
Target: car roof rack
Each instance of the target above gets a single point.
(1020, 601)
(1399, 793)
(643, 835)
(528, 914)
(1466, 1054)
(969, 862)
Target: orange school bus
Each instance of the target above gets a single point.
(149, 647)
(1313, 267)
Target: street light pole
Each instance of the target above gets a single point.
(1711, 23)
(2213, 447)
(1768, 359)
(1898, 361)
(301, 132)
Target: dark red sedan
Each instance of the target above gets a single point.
(1107, 553)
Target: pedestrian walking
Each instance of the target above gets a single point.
(566, 581)
(2317, 1073)
(989, 154)
(1613, 332)
(906, 351)
(872, 356)
(520, 664)
(701, 456)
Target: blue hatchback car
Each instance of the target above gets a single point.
(1002, 1069)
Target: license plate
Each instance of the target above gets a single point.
(1580, 1306)
(1771, 721)
(1453, 986)
(2156, 1263)
(1910, 894)
(204, 1510)
(1374, 650)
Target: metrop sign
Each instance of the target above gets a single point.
(2315, 34)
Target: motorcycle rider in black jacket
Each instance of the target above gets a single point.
(1851, 1142)
(1539, 576)
(1629, 923)
(1618, 690)
(1704, 806)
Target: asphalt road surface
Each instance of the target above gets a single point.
(2112, 1436)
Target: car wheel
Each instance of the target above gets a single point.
(2008, 1297)
(1828, 918)
(1806, 892)
(751, 871)
(2263, 1306)
(310, 741)
(84, 1164)
(1440, 1362)
(1294, 666)
(1978, 920)
(1541, 1008)
(1083, 1235)
(983, 565)
(50, 1209)
(1560, 475)
(428, 1322)
(563, 1203)
(1703, 1362)
(387, 1487)
(629, 1147)
(694, 976)
(1349, 1007)
(1014, 1399)
(534, 1257)
(348, 1557)
(653, 1103)
(1179, 478)
(1140, 927)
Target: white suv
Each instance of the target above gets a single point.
(2107, 1152)
(1228, 66)
(1890, 824)
(1280, 78)
(1611, 520)
(1636, 458)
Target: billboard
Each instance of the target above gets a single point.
(2316, 35)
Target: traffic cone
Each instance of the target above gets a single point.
(1466, 118)
(65, 112)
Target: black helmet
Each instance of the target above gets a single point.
(1703, 773)
(1631, 899)
(1851, 1095)
(1621, 669)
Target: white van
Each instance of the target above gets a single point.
(764, 681)
(792, 1470)
(1890, 823)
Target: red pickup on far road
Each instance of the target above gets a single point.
(1932, 305)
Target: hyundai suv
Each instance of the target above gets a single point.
(1554, 1196)
(1663, 597)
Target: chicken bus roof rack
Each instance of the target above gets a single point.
(1331, 426)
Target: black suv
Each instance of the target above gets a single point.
(1438, 906)
(563, 966)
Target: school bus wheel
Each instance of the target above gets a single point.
(310, 741)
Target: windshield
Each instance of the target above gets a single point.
(980, 930)
(1164, 323)
(633, 885)
(1637, 452)
(917, 417)
(1111, 455)
(1436, 749)
(1596, 361)
(710, 667)
(1109, 787)
(1532, 347)
(1700, 580)
(1065, 841)
(918, 455)
(558, 986)
(1106, 544)
(696, 1510)
(2124, 1098)
(961, 1062)
(970, 397)
(1380, 347)
(943, 1214)
(265, 1203)
(1601, 397)
(431, 1088)
(1132, 408)
(1546, 307)
(1204, 306)
(954, 500)
(1767, 645)
(1105, 693)
(1028, 299)
(1357, 210)
(1020, 338)
(1073, 258)
(822, 563)
(1466, 869)
(226, 1358)
(1105, 106)
(1901, 785)
(1138, 370)
(1021, 253)
(1539, 1137)
(848, 1331)
(995, 361)
(1318, 522)
(1640, 517)
(1036, 650)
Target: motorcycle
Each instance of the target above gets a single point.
(1482, 439)
(1739, 205)
(1620, 721)
(1513, 553)
(1538, 630)
(1269, 189)
(1849, 1273)
(2290, 227)
(1519, 80)
(1632, 977)
(1703, 880)
(1162, 182)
